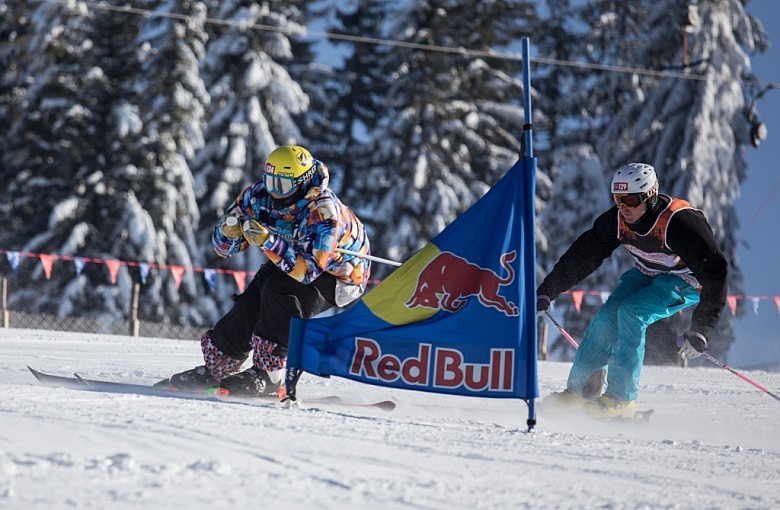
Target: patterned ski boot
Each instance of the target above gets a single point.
(253, 382)
(196, 379)
(562, 401)
(217, 366)
(608, 407)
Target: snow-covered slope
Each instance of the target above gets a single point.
(713, 442)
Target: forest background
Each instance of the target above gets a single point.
(131, 126)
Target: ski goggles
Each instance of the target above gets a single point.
(279, 185)
(629, 200)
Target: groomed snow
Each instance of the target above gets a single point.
(713, 442)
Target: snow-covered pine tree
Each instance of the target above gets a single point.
(14, 30)
(171, 101)
(254, 104)
(579, 104)
(98, 162)
(451, 125)
(693, 131)
(351, 89)
(570, 183)
(60, 155)
(314, 72)
(642, 117)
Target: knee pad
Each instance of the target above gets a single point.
(219, 364)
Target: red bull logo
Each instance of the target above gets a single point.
(448, 280)
(439, 367)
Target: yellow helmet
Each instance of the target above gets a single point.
(287, 169)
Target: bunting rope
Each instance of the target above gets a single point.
(241, 277)
(731, 300)
(380, 41)
(113, 265)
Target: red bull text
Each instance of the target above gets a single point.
(442, 368)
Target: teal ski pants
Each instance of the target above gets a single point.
(615, 338)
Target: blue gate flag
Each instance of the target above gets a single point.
(458, 317)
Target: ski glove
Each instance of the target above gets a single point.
(231, 227)
(542, 304)
(254, 232)
(692, 344)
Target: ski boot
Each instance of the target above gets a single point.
(196, 379)
(608, 407)
(253, 382)
(562, 401)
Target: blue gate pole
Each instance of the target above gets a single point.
(529, 166)
(529, 145)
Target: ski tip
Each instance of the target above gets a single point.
(34, 372)
(644, 416)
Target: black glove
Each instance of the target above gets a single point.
(542, 304)
(692, 344)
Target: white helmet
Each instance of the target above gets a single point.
(635, 178)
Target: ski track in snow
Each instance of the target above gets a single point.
(713, 442)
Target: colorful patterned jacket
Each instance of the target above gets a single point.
(305, 235)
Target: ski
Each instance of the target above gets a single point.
(161, 388)
(639, 416)
(215, 394)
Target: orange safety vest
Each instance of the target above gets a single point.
(651, 252)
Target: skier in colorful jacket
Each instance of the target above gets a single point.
(677, 264)
(301, 227)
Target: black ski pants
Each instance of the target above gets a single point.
(266, 307)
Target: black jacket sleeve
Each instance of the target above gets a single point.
(690, 236)
(583, 257)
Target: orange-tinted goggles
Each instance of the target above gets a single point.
(630, 200)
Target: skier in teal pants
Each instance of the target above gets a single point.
(677, 264)
(619, 328)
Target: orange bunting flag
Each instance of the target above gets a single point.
(240, 278)
(732, 301)
(177, 272)
(113, 268)
(576, 295)
(46, 261)
(777, 302)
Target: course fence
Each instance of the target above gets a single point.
(131, 326)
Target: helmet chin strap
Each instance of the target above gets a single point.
(652, 202)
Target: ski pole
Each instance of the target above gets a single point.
(741, 376)
(348, 252)
(706, 355)
(565, 333)
(368, 257)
